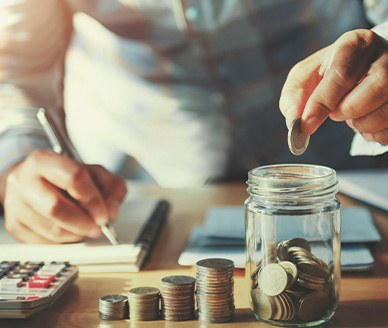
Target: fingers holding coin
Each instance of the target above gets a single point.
(346, 81)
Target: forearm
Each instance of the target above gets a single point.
(32, 48)
(360, 146)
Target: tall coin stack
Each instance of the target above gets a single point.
(113, 307)
(178, 302)
(215, 298)
(143, 303)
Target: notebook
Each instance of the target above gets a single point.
(227, 239)
(369, 186)
(138, 225)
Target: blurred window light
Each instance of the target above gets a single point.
(4, 3)
(9, 19)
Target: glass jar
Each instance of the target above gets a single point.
(293, 244)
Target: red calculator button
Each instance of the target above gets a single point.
(38, 283)
(50, 277)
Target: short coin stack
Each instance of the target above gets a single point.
(178, 302)
(215, 297)
(143, 303)
(298, 287)
(113, 307)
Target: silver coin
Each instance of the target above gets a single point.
(216, 264)
(297, 139)
(179, 280)
(113, 298)
(143, 292)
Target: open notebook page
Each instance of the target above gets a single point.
(131, 219)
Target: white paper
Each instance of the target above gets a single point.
(369, 186)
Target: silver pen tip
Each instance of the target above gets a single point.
(110, 233)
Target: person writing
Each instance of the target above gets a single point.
(187, 92)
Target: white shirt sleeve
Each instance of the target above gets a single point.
(362, 147)
(32, 46)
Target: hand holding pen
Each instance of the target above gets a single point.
(52, 198)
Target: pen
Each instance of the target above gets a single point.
(60, 145)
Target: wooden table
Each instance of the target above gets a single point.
(364, 296)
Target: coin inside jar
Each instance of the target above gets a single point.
(291, 270)
(297, 139)
(291, 292)
(262, 304)
(299, 242)
(273, 279)
(313, 306)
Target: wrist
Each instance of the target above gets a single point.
(3, 183)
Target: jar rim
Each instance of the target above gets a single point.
(303, 171)
(293, 179)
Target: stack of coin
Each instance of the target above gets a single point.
(178, 302)
(143, 303)
(113, 307)
(215, 298)
(297, 286)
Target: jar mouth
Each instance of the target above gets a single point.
(295, 179)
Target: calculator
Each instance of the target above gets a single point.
(27, 288)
